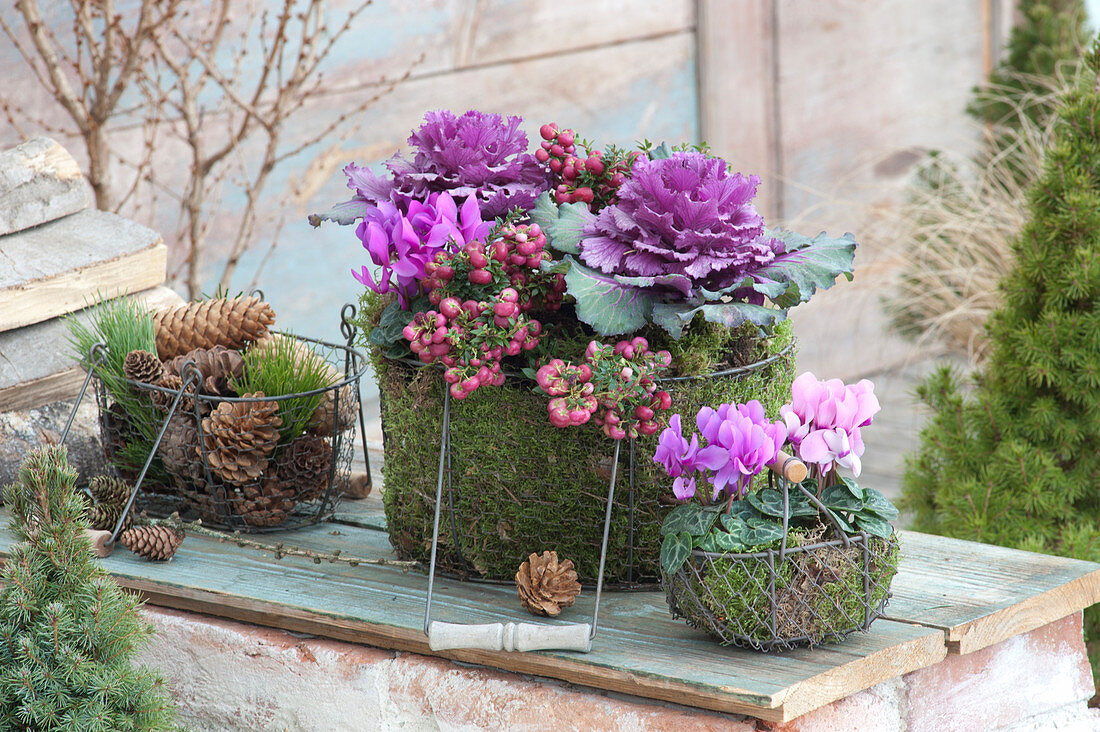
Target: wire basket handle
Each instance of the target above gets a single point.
(509, 636)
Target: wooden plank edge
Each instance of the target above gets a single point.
(1025, 616)
(45, 390)
(888, 663)
(37, 300)
(350, 630)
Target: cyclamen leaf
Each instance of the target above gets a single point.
(878, 504)
(852, 486)
(838, 498)
(874, 525)
(724, 542)
(675, 550)
(604, 303)
(733, 524)
(562, 225)
(799, 506)
(767, 501)
(744, 511)
(679, 518)
(808, 264)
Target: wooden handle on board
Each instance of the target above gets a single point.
(794, 471)
(101, 545)
(510, 637)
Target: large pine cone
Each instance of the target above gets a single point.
(155, 543)
(266, 503)
(304, 467)
(143, 367)
(546, 585)
(218, 365)
(239, 438)
(233, 323)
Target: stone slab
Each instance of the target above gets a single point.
(73, 262)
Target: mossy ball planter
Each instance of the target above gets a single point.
(520, 485)
(810, 592)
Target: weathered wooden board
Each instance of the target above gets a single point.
(39, 182)
(639, 650)
(36, 361)
(67, 264)
(981, 594)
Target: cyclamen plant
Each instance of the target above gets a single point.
(735, 443)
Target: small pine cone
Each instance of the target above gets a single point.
(546, 585)
(305, 467)
(143, 367)
(155, 543)
(104, 517)
(230, 322)
(218, 365)
(109, 491)
(239, 437)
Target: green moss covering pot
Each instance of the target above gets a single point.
(816, 591)
(519, 485)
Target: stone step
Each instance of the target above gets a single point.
(72, 262)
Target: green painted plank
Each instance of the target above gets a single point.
(982, 594)
(639, 648)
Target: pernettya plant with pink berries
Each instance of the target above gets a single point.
(736, 442)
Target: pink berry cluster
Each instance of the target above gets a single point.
(479, 272)
(614, 388)
(471, 338)
(591, 179)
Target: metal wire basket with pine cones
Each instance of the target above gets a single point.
(258, 426)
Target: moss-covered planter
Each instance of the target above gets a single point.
(520, 485)
(813, 592)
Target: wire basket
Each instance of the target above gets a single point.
(515, 484)
(810, 590)
(250, 464)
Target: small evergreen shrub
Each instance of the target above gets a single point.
(1016, 461)
(67, 631)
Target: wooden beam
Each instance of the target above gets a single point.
(737, 61)
(39, 182)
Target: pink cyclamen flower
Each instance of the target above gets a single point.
(824, 420)
(403, 240)
(748, 440)
(681, 458)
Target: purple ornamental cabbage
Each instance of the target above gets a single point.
(682, 215)
(401, 241)
(478, 154)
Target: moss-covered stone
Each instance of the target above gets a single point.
(819, 595)
(519, 485)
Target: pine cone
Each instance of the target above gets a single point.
(143, 367)
(155, 543)
(233, 323)
(104, 517)
(305, 467)
(110, 491)
(218, 366)
(179, 452)
(266, 504)
(546, 585)
(321, 421)
(239, 438)
(163, 400)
